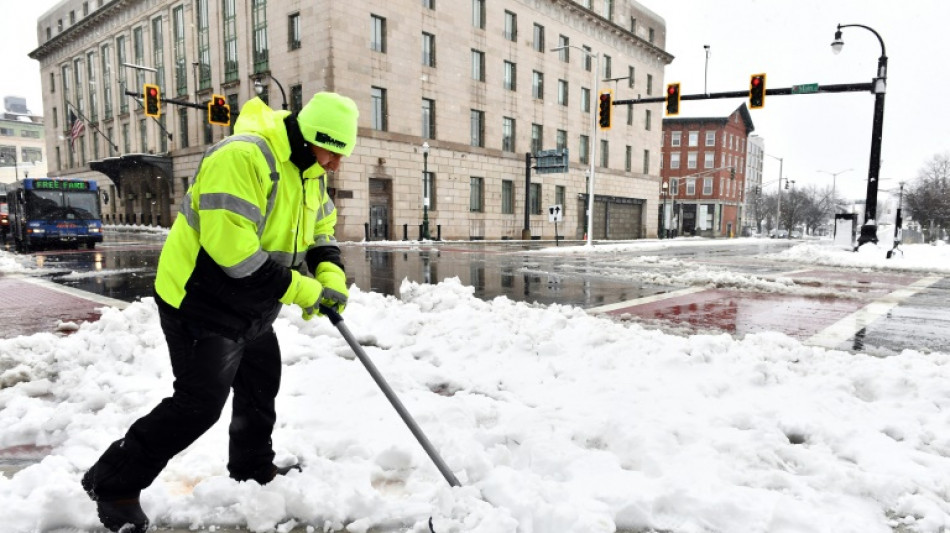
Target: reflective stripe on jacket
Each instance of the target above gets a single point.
(249, 216)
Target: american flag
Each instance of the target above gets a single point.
(78, 126)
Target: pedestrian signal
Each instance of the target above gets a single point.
(757, 91)
(673, 99)
(606, 105)
(219, 112)
(153, 100)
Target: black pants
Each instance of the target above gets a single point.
(206, 367)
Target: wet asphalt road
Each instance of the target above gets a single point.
(123, 268)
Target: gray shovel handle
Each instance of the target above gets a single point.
(337, 321)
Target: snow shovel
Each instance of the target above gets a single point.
(337, 321)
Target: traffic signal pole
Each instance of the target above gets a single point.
(833, 88)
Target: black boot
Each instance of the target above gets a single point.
(268, 473)
(121, 515)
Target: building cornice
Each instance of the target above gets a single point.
(73, 33)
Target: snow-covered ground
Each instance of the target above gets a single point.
(553, 421)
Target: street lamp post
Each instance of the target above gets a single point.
(259, 89)
(834, 179)
(666, 214)
(869, 229)
(16, 169)
(425, 190)
(593, 140)
(778, 211)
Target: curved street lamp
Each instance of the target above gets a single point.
(259, 88)
(869, 229)
(834, 178)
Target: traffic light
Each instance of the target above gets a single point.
(606, 105)
(757, 91)
(219, 112)
(673, 99)
(153, 100)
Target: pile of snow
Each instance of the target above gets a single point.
(553, 421)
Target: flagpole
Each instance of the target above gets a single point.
(85, 120)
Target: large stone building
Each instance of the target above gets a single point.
(475, 79)
(22, 142)
(704, 174)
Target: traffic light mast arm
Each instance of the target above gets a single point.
(836, 88)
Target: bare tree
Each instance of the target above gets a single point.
(928, 197)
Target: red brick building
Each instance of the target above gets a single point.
(703, 174)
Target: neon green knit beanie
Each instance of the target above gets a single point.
(329, 121)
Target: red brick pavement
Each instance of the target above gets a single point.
(32, 305)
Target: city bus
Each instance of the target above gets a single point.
(52, 212)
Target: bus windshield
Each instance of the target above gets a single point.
(60, 205)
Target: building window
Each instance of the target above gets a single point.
(628, 158)
(181, 64)
(537, 138)
(428, 118)
(428, 4)
(560, 197)
(629, 115)
(608, 12)
(584, 149)
(693, 139)
(204, 47)
(585, 99)
(183, 127)
(293, 31)
(511, 76)
(561, 141)
(511, 26)
(537, 85)
(508, 134)
(259, 36)
(608, 67)
(428, 49)
(478, 65)
(379, 110)
(707, 185)
(138, 55)
(649, 84)
(710, 138)
(377, 34)
(477, 123)
(91, 62)
(143, 136)
(296, 98)
(562, 92)
(588, 58)
(564, 54)
(691, 187)
(646, 161)
(652, 35)
(648, 119)
(604, 153)
(534, 199)
(478, 14)
(538, 38)
(676, 138)
(158, 51)
(126, 138)
(507, 197)
(476, 195)
(691, 160)
(230, 42)
(675, 160)
(709, 160)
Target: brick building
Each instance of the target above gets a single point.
(475, 79)
(703, 174)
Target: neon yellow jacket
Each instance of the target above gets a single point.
(228, 256)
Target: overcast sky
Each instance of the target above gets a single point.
(790, 42)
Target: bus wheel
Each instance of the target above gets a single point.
(90, 245)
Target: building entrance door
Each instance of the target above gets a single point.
(380, 202)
